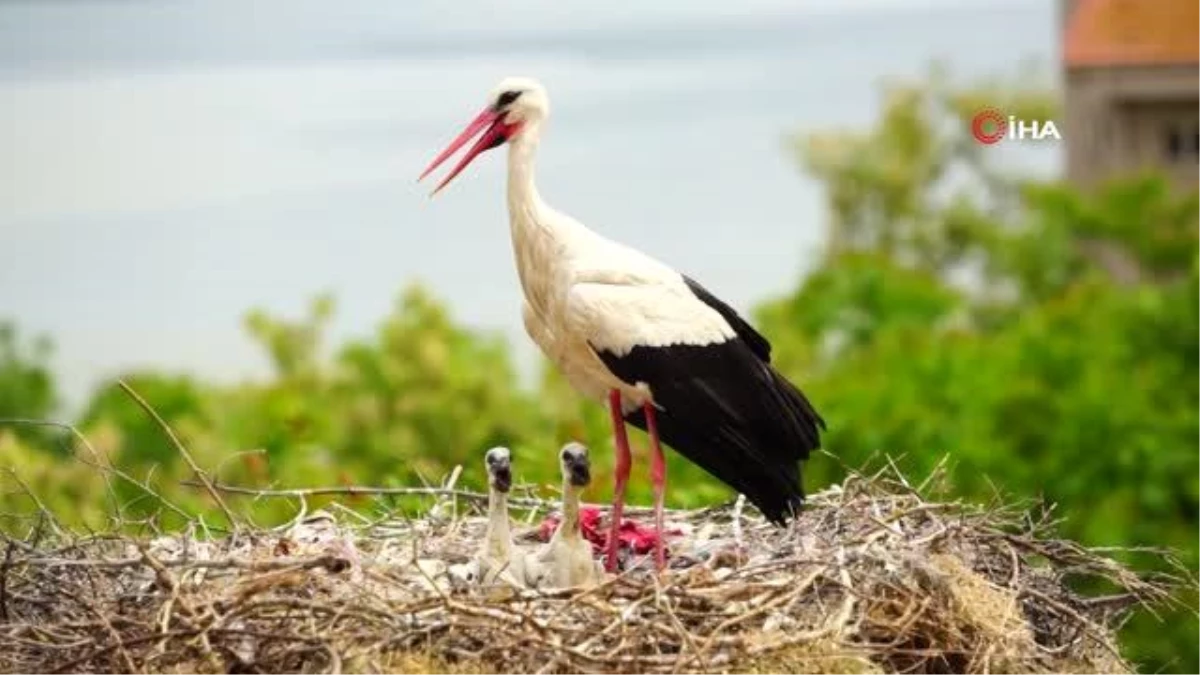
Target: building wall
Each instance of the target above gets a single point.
(1065, 7)
(1120, 119)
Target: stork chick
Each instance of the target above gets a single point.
(498, 558)
(566, 560)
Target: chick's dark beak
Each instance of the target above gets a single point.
(502, 477)
(579, 472)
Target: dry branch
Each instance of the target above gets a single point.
(183, 451)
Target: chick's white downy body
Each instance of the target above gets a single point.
(566, 561)
(498, 558)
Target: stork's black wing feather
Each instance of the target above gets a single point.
(727, 410)
(754, 340)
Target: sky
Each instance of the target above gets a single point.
(166, 166)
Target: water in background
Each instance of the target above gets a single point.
(166, 166)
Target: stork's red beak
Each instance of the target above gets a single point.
(495, 131)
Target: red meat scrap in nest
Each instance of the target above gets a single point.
(631, 535)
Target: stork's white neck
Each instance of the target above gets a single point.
(540, 237)
(524, 204)
(498, 537)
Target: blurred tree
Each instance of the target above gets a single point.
(1042, 338)
(420, 396)
(128, 437)
(27, 389)
(178, 399)
(29, 476)
(292, 414)
(438, 392)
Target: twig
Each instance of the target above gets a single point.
(738, 507)
(44, 512)
(73, 666)
(112, 494)
(144, 486)
(356, 490)
(8, 551)
(183, 451)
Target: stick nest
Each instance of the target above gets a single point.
(872, 577)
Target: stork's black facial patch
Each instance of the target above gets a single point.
(507, 98)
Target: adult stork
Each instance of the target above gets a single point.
(666, 355)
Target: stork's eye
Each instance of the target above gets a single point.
(507, 98)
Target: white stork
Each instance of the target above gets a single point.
(665, 354)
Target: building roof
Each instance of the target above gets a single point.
(1132, 32)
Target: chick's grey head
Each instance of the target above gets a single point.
(576, 466)
(499, 467)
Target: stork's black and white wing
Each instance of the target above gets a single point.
(718, 400)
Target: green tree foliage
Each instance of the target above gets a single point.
(178, 399)
(1040, 339)
(410, 402)
(26, 383)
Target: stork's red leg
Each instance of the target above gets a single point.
(624, 461)
(658, 474)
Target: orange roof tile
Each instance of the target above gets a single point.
(1132, 32)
